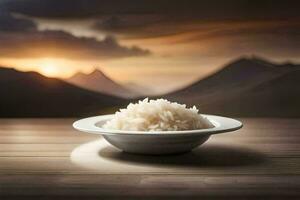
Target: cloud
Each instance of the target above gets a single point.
(126, 22)
(10, 23)
(224, 29)
(155, 18)
(137, 26)
(20, 38)
(204, 9)
(225, 26)
(60, 44)
(231, 39)
(251, 35)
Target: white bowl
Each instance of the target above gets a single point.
(159, 142)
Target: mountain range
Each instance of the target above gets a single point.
(97, 81)
(246, 87)
(250, 87)
(29, 94)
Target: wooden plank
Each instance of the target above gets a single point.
(36, 147)
(215, 145)
(261, 160)
(61, 165)
(147, 185)
(44, 132)
(46, 139)
(62, 137)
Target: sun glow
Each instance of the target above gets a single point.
(49, 68)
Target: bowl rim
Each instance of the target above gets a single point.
(221, 125)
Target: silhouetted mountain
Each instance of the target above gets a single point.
(97, 81)
(29, 94)
(246, 87)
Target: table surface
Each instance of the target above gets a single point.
(261, 160)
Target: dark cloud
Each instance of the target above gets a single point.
(10, 23)
(157, 26)
(260, 24)
(272, 39)
(20, 38)
(165, 18)
(284, 29)
(153, 18)
(204, 9)
(125, 22)
(63, 45)
(138, 26)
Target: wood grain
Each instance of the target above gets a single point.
(260, 161)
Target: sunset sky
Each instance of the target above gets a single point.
(156, 43)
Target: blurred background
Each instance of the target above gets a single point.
(71, 58)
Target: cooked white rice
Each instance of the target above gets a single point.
(157, 115)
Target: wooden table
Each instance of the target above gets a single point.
(261, 160)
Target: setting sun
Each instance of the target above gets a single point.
(49, 68)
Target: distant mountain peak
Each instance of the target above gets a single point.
(95, 74)
(100, 82)
(77, 75)
(262, 61)
(98, 74)
(257, 60)
(97, 71)
(251, 60)
(256, 65)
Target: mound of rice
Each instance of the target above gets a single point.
(157, 115)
